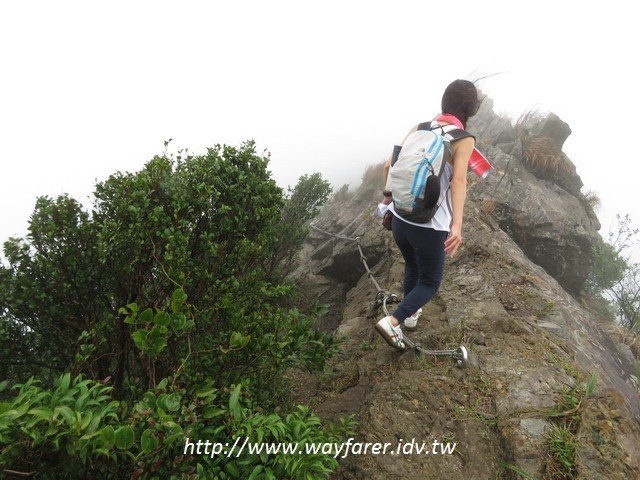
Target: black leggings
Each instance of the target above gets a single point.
(423, 252)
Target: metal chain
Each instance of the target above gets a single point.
(382, 296)
(333, 234)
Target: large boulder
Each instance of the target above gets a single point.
(534, 192)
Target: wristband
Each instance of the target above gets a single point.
(386, 193)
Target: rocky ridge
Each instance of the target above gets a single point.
(509, 296)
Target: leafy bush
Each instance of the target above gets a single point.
(77, 430)
(207, 224)
(51, 432)
(98, 301)
(616, 273)
(608, 267)
(302, 205)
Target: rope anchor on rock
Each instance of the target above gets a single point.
(460, 355)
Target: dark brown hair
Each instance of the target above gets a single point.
(461, 99)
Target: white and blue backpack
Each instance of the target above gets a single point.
(416, 169)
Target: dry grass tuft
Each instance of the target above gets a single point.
(489, 206)
(624, 336)
(527, 121)
(542, 155)
(593, 200)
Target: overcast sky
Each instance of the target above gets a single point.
(89, 88)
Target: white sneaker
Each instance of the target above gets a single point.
(411, 322)
(392, 335)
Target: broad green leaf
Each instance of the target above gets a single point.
(44, 413)
(63, 385)
(160, 401)
(256, 472)
(140, 339)
(89, 436)
(211, 392)
(238, 340)
(95, 422)
(179, 296)
(162, 318)
(124, 437)
(133, 307)
(146, 316)
(86, 420)
(148, 441)
(149, 398)
(108, 435)
(66, 412)
(172, 402)
(178, 321)
(177, 300)
(80, 402)
(234, 405)
(213, 412)
(172, 426)
(79, 383)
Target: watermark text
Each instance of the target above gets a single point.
(243, 445)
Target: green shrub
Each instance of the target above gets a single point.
(98, 301)
(77, 430)
(58, 433)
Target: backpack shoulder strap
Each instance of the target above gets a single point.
(457, 134)
(450, 132)
(453, 133)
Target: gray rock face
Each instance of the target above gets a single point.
(537, 199)
(506, 297)
(555, 129)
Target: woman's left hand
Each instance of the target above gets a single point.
(454, 240)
